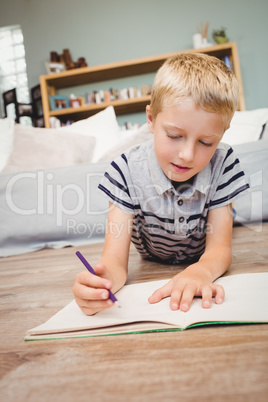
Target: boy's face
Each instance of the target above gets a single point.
(185, 139)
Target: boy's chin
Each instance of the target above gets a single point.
(180, 178)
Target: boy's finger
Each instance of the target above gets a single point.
(100, 269)
(218, 292)
(89, 293)
(175, 299)
(95, 281)
(94, 307)
(161, 293)
(187, 298)
(206, 296)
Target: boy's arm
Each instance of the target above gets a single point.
(116, 247)
(90, 290)
(218, 252)
(197, 279)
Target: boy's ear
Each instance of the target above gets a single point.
(149, 118)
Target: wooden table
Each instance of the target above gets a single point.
(217, 363)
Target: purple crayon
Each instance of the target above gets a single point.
(91, 270)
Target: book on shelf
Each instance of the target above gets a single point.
(57, 123)
(128, 125)
(146, 90)
(132, 92)
(113, 94)
(246, 301)
(228, 62)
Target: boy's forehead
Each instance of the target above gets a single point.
(178, 129)
(189, 116)
(211, 130)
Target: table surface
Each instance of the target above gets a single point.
(215, 363)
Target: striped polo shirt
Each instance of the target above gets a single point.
(170, 223)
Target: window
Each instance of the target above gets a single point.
(13, 65)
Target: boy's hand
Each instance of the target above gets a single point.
(91, 292)
(193, 281)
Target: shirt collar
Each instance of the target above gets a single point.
(163, 184)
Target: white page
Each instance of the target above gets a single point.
(246, 300)
(134, 307)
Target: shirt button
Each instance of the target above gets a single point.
(181, 219)
(180, 202)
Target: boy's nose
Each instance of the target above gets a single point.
(186, 153)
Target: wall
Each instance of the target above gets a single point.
(112, 30)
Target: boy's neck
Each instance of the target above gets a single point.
(180, 187)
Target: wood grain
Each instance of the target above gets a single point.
(217, 363)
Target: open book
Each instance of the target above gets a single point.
(246, 301)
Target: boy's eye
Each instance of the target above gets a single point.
(173, 136)
(207, 144)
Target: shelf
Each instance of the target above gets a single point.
(122, 69)
(52, 82)
(120, 106)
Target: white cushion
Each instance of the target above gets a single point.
(6, 140)
(246, 126)
(128, 139)
(41, 148)
(253, 205)
(33, 218)
(103, 126)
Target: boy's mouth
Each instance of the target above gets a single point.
(180, 169)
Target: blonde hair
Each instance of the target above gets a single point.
(204, 79)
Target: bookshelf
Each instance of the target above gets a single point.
(52, 82)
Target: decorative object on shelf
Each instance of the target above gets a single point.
(11, 104)
(219, 35)
(66, 59)
(82, 100)
(146, 90)
(53, 68)
(128, 125)
(228, 61)
(58, 102)
(15, 109)
(200, 38)
(81, 62)
(38, 115)
(197, 40)
(113, 94)
(70, 64)
(25, 109)
(56, 58)
(56, 123)
(75, 103)
(204, 32)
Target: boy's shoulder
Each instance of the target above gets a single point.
(223, 160)
(223, 148)
(137, 154)
(222, 151)
(140, 152)
(139, 163)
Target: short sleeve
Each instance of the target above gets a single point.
(229, 181)
(116, 184)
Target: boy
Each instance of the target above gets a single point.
(172, 196)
